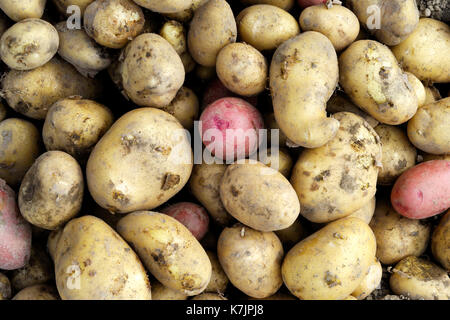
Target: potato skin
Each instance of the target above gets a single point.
(52, 242)
(22, 9)
(161, 292)
(211, 29)
(337, 179)
(5, 287)
(440, 241)
(331, 263)
(371, 77)
(38, 292)
(251, 260)
(184, 107)
(165, 6)
(283, 4)
(365, 213)
(370, 282)
(258, 196)
(418, 88)
(168, 250)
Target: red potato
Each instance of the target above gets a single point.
(423, 191)
(15, 232)
(216, 90)
(191, 215)
(308, 3)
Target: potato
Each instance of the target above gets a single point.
(209, 296)
(204, 184)
(397, 236)
(22, 9)
(161, 292)
(277, 159)
(242, 69)
(5, 287)
(157, 146)
(113, 23)
(184, 107)
(15, 231)
(366, 212)
(429, 129)
(63, 5)
(292, 234)
(418, 87)
(371, 77)
(152, 72)
(219, 280)
(303, 76)
(283, 4)
(33, 92)
(420, 279)
(337, 179)
(258, 196)
(75, 125)
(265, 27)
(331, 263)
(38, 292)
(29, 44)
(52, 242)
(51, 191)
(251, 260)
(424, 52)
(440, 241)
(77, 48)
(211, 29)
(168, 249)
(271, 123)
(19, 147)
(165, 6)
(277, 296)
(92, 262)
(370, 282)
(338, 23)
(392, 21)
(339, 103)
(432, 95)
(398, 153)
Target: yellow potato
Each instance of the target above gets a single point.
(22, 9)
(187, 14)
(277, 159)
(52, 242)
(209, 296)
(270, 123)
(283, 4)
(418, 87)
(366, 212)
(440, 241)
(161, 292)
(38, 292)
(219, 280)
(370, 282)
(165, 6)
(184, 107)
(432, 95)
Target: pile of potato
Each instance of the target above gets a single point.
(224, 150)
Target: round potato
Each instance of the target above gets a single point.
(184, 107)
(251, 260)
(283, 4)
(161, 292)
(440, 241)
(219, 280)
(63, 6)
(370, 282)
(418, 87)
(168, 249)
(339, 103)
(366, 212)
(277, 159)
(22, 9)
(165, 6)
(38, 292)
(5, 287)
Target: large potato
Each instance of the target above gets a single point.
(92, 262)
(371, 77)
(440, 241)
(251, 260)
(38, 292)
(168, 249)
(331, 263)
(165, 6)
(155, 143)
(22, 9)
(337, 179)
(303, 76)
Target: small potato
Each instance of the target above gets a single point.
(265, 27)
(398, 153)
(432, 95)
(209, 296)
(440, 241)
(251, 260)
(22, 9)
(51, 191)
(370, 282)
(338, 23)
(19, 147)
(366, 212)
(277, 159)
(184, 107)
(168, 249)
(211, 29)
(75, 125)
(219, 280)
(63, 6)
(292, 234)
(271, 124)
(242, 69)
(52, 242)
(331, 263)
(339, 103)
(420, 279)
(165, 6)
(283, 4)
(113, 23)
(418, 88)
(397, 236)
(38, 292)
(5, 287)
(161, 292)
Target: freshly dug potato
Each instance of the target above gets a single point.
(338, 23)
(168, 249)
(283, 4)
(258, 196)
(211, 29)
(63, 5)
(425, 52)
(429, 129)
(242, 69)
(265, 27)
(51, 191)
(204, 184)
(152, 72)
(398, 153)
(397, 237)
(52, 242)
(420, 279)
(292, 234)
(370, 282)
(19, 147)
(418, 87)
(432, 95)
(366, 212)
(157, 146)
(74, 125)
(440, 241)
(391, 23)
(209, 296)
(277, 159)
(33, 92)
(251, 260)
(184, 107)
(22, 9)
(29, 44)
(38, 292)
(113, 23)
(219, 280)
(92, 262)
(331, 263)
(337, 179)
(371, 77)
(303, 76)
(271, 124)
(339, 103)
(165, 6)
(80, 50)
(5, 287)
(161, 292)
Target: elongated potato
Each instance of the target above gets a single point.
(22, 9)
(440, 241)
(168, 250)
(303, 76)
